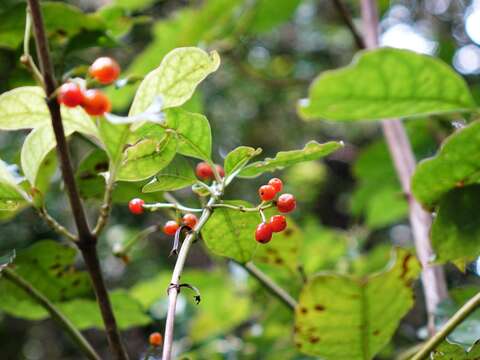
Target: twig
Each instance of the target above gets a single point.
(347, 19)
(469, 307)
(433, 278)
(54, 312)
(26, 58)
(173, 289)
(270, 285)
(60, 229)
(175, 206)
(107, 203)
(240, 208)
(86, 239)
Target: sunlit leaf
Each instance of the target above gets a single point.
(177, 175)
(231, 233)
(312, 151)
(387, 83)
(343, 317)
(176, 78)
(239, 157)
(147, 158)
(11, 195)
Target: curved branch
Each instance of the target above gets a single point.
(469, 307)
(54, 312)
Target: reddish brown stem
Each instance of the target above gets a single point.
(86, 239)
(433, 277)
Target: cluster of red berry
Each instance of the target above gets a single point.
(105, 70)
(285, 204)
(171, 227)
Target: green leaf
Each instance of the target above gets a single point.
(41, 141)
(147, 158)
(11, 195)
(378, 196)
(85, 314)
(344, 318)
(48, 266)
(91, 181)
(215, 314)
(175, 80)
(114, 138)
(59, 18)
(455, 230)
(177, 175)
(238, 158)
(457, 164)
(25, 108)
(448, 351)
(230, 232)
(312, 151)
(268, 14)
(192, 131)
(387, 83)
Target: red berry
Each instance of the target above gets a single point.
(286, 203)
(170, 227)
(267, 192)
(278, 223)
(70, 94)
(105, 70)
(204, 171)
(96, 102)
(276, 183)
(190, 220)
(220, 170)
(155, 339)
(136, 206)
(263, 234)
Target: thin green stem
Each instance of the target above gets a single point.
(240, 208)
(54, 312)
(469, 307)
(26, 58)
(107, 203)
(270, 285)
(55, 225)
(157, 206)
(124, 249)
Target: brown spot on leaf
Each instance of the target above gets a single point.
(288, 232)
(298, 345)
(303, 310)
(278, 261)
(271, 251)
(376, 332)
(405, 266)
(102, 166)
(460, 184)
(319, 307)
(55, 266)
(314, 339)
